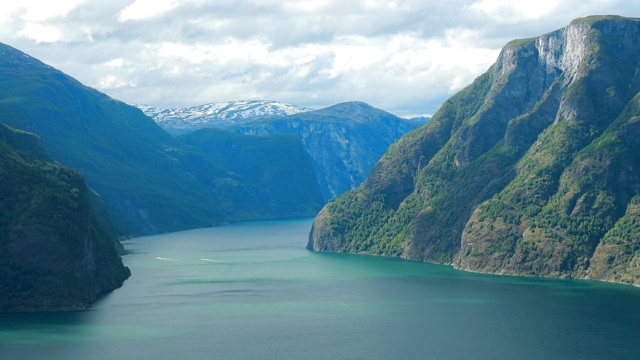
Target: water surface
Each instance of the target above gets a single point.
(252, 291)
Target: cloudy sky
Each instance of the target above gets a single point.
(405, 57)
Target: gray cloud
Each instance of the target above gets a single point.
(404, 56)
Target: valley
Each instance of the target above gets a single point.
(530, 170)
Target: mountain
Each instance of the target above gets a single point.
(344, 140)
(140, 172)
(270, 176)
(55, 251)
(217, 115)
(533, 169)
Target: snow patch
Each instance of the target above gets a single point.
(220, 114)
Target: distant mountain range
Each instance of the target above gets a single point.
(344, 140)
(421, 118)
(533, 169)
(217, 115)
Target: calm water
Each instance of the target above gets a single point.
(251, 291)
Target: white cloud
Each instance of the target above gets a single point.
(308, 6)
(143, 9)
(113, 82)
(513, 11)
(356, 53)
(115, 63)
(37, 10)
(40, 33)
(403, 56)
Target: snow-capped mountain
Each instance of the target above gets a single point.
(218, 115)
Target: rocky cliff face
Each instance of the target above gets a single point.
(344, 140)
(55, 253)
(530, 170)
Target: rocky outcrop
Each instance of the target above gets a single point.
(529, 170)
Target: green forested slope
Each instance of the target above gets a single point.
(55, 253)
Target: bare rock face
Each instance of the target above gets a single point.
(529, 170)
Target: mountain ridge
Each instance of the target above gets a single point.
(115, 146)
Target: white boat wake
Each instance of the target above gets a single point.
(165, 259)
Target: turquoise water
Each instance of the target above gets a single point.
(252, 291)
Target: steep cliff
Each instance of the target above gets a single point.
(55, 253)
(344, 140)
(532, 169)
